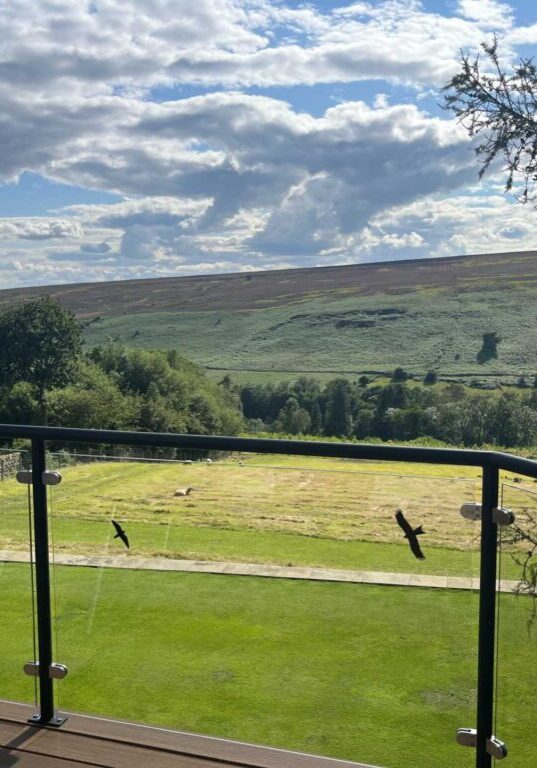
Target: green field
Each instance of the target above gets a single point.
(379, 674)
(266, 509)
(431, 330)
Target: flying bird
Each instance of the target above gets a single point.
(120, 534)
(410, 534)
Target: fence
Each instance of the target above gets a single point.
(490, 464)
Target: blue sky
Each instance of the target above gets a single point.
(161, 137)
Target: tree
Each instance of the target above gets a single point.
(338, 418)
(399, 374)
(431, 377)
(489, 348)
(293, 419)
(40, 344)
(501, 108)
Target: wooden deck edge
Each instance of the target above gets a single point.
(178, 742)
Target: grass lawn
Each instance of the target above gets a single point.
(379, 674)
(267, 509)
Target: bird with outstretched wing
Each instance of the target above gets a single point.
(120, 533)
(411, 534)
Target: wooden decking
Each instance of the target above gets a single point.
(83, 742)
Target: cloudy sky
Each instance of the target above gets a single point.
(169, 137)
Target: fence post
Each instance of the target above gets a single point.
(487, 617)
(42, 587)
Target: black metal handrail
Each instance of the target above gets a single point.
(376, 452)
(491, 462)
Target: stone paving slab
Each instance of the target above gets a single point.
(135, 562)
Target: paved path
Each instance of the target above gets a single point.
(259, 569)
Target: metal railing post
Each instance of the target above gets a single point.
(487, 617)
(42, 586)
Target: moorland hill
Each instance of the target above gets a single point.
(422, 314)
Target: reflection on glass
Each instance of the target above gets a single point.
(271, 599)
(517, 624)
(16, 580)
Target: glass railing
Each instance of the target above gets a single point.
(271, 599)
(517, 623)
(17, 587)
(287, 599)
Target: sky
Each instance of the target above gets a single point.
(147, 138)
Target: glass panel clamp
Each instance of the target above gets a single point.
(48, 477)
(467, 737)
(471, 510)
(55, 671)
(51, 478)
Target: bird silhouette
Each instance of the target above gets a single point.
(410, 534)
(120, 534)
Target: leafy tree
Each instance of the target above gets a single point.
(363, 423)
(293, 419)
(393, 396)
(363, 381)
(316, 416)
(93, 401)
(18, 404)
(501, 108)
(468, 422)
(338, 417)
(431, 377)
(399, 375)
(40, 344)
(513, 422)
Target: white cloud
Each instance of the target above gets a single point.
(234, 42)
(39, 229)
(308, 180)
(228, 179)
(493, 14)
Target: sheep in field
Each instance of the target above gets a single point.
(183, 491)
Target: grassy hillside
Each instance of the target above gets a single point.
(420, 330)
(326, 321)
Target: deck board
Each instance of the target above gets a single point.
(93, 742)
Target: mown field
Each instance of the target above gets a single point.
(267, 509)
(378, 674)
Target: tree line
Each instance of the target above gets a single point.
(394, 411)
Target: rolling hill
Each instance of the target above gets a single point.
(421, 314)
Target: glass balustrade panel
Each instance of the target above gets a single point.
(16, 579)
(516, 672)
(272, 599)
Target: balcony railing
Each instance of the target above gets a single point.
(481, 735)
